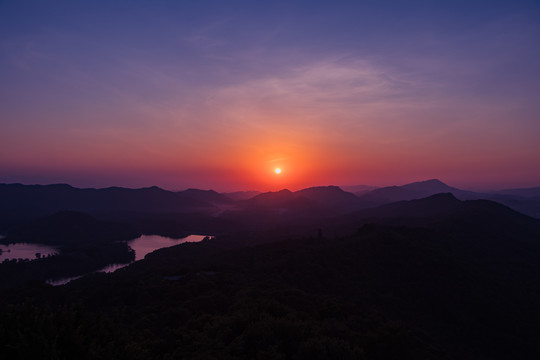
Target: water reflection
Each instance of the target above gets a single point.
(143, 246)
(25, 251)
(147, 243)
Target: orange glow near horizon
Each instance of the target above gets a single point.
(246, 158)
(226, 117)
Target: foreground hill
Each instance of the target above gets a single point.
(434, 278)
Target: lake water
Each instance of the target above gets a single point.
(142, 245)
(25, 251)
(147, 243)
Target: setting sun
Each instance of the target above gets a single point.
(278, 171)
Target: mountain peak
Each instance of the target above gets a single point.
(274, 194)
(328, 188)
(428, 182)
(433, 181)
(210, 196)
(283, 191)
(428, 186)
(194, 190)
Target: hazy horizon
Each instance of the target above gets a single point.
(230, 190)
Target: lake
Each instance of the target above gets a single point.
(147, 243)
(142, 245)
(25, 251)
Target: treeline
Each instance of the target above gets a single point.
(382, 293)
(203, 317)
(434, 279)
(70, 262)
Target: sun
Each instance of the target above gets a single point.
(277, 171)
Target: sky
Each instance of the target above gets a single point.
(218, 94)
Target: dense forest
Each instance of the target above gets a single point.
(433, 278)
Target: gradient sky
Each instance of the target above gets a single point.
(217, 94)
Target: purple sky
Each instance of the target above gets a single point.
(217, 94)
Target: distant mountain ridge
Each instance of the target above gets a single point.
(209, 196)
(533, 192)
(456, 278)
(416, 190)
(67, 197)
(241, 195)
(522, 200)
(279, 199)
(69, 228)
(444, 211)
(331, 196)
(20, 203)
(322, 198)
(358, 189)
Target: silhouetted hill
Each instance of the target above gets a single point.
(526, 200)
(464, 284)
(320, 199)
(446, 210)
(152, 199)
(283, 199)
(241, 195)
(529, 206)
(358, 189)
(274, 210)
(416, 190)
(209, 196)
(466, 280)
(432, 206)
(23, 202)
(531, 193)
(522, 200)
(387, 195)
(85, 244)
(70, 228)
(429, 186)
(333, 198)
(66, 197)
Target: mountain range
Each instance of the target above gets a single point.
(21, 203)
(309, 274)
